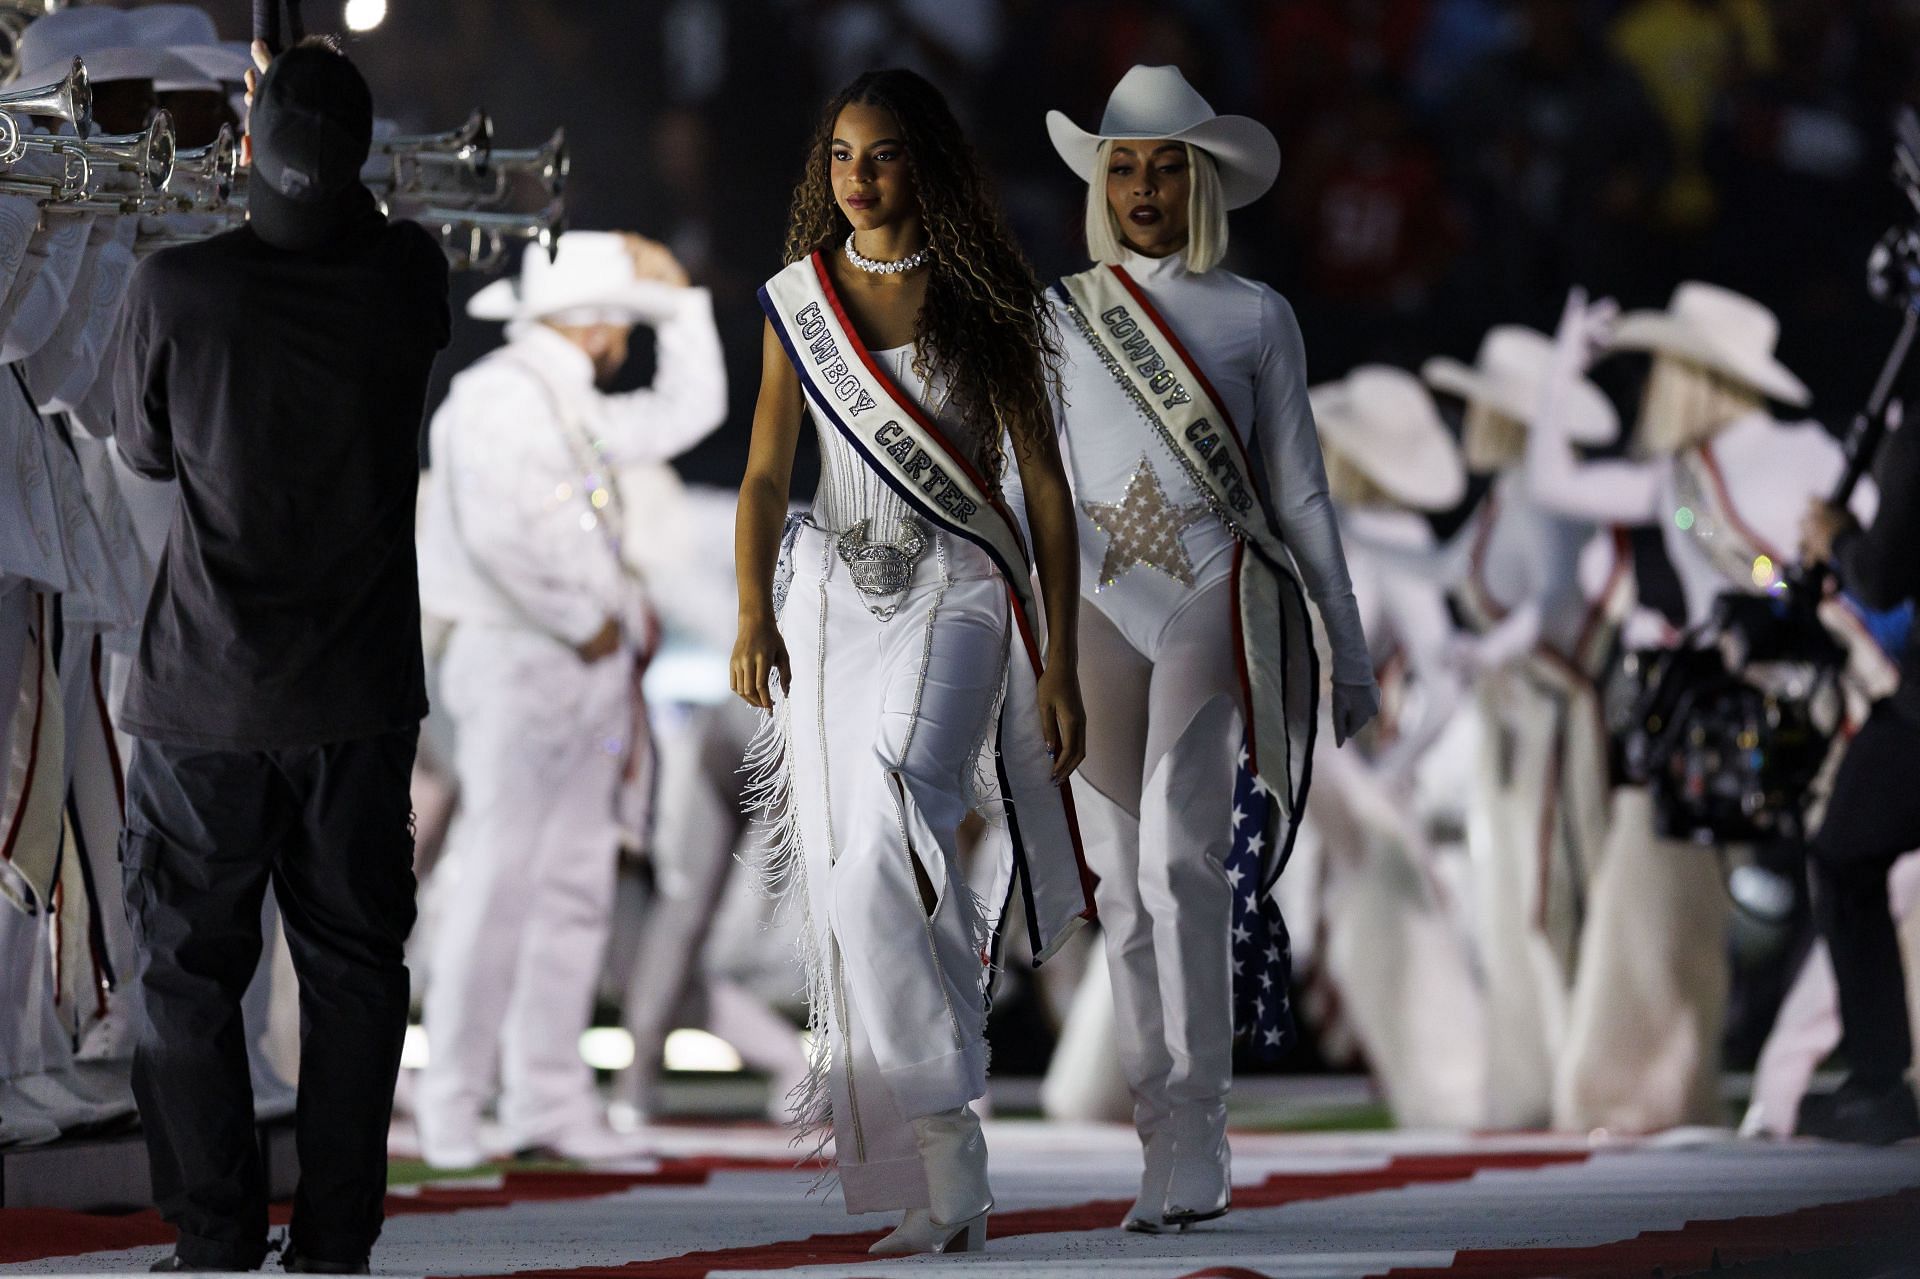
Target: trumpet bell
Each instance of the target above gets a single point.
(69, 99)
(477, 241)
(204, 176)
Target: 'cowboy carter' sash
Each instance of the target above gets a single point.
(907, 449)
(1273, 632)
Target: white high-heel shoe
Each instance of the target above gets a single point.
(954, 1153)
(1148, 1214)
(1200, 1186)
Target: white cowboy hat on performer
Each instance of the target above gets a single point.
(1157, 103)
(116, 44)
(1384, 421)
(1508, 375)
(1721, 330)
(590, 280)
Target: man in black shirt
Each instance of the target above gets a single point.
(1872, 818)
(279, 373)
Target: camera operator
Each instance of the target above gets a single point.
(279, 373)
(1872, 818)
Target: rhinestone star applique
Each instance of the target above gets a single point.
(1144, 527)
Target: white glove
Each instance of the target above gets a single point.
(1584, 335)
(1353, 706)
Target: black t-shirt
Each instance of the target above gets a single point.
(1880, 565)
(285, 392)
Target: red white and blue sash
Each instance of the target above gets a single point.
(907, 450)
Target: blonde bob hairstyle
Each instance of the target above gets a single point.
(1206, 213)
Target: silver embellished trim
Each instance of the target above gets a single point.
(783, 566)
(1120, 375)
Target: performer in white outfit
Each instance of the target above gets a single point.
(898, 645)
(1726, 484)
(520, 550)
(1545, 595)
(1390, 936)
(62, 815)
(1199, 485)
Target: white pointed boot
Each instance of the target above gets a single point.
(1148, 1214)
(954, 1151)
(1200, 1186)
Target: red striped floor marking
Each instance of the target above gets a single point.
(1099, 1214)
(34, 1234)
(1700, 1245)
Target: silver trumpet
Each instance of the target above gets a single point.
(203, 177)
(69, 99)
(477, 241)
(446, 180)
(118, 173)
(391, 161)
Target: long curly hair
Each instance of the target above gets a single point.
(985, 327)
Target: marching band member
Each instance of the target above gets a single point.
(900, 619)
(1726, 484)
(1200, 487)
(520, 549)
(1545, 595)
(63, 311)
(700, 820)
(1387, 933)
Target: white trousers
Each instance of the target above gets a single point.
(699, 822)
(1535, 835)
(1650, 998)
(1164, 729)
(530, 864)
(884, 725)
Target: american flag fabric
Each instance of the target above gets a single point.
(1262, 953)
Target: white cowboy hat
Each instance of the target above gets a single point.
(116, 44)
(1509, 374)
(1385, 422)
(592, 272)
(1158, 103)
(1726, 331)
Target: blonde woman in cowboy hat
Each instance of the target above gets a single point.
(1388, 927)
(1200, 487)
(1541, 596)
(1726, 484)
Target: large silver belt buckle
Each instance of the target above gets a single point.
(884, 568)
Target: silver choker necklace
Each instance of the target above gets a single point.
(918, 258)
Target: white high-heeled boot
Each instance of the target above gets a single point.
(1200, 1187)
(1148, 1214)
(954, 1151)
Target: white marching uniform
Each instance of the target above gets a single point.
(61, 558)
(520, 550)
(1165, 724)
(1649, 999)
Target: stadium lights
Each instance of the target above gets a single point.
(365, 15)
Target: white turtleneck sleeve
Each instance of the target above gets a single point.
(1289, 447)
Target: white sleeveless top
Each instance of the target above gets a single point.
(850, 490)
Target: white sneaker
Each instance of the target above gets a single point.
(448, 1142)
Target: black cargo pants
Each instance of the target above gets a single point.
(206, 831)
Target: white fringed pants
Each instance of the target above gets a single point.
(883, 727)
